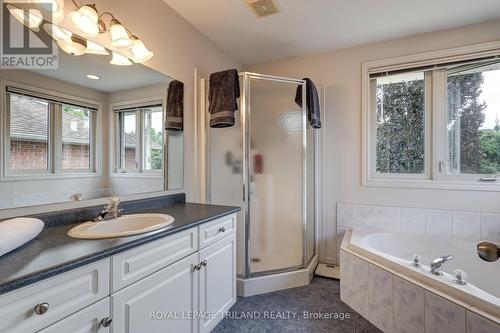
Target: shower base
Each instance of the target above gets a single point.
(273, 282)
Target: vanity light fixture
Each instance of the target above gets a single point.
(85, 20)
(94, 48)
(93, 76)
(68, 42)
(120, 60)
(139, 50)
(76, 46)
(119, 35)
(59, 34)
(32, 18)
(55, 7)
(90, 23)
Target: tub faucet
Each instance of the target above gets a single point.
(438, 262)
(111, 210)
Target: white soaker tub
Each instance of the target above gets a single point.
(397, 248)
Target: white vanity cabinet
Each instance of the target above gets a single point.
(181, 283)
(92, 319)
(217, 291)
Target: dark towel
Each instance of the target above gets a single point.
(175, 106)
(312, 103)
(223, 98)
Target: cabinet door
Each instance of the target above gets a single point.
(162, 302)
(217, 281)
(88, 320)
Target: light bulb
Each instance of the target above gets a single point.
(120, 60)
(31, 19)
(140, 52)
(85, 20)
(76, 46)
(59, 34)
(119, 35)
(94, 48)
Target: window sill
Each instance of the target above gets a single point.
(433, 184)
(67, 175)
(158, 175)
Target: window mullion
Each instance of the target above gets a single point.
(139, 157)
(439, 124)
(55, 135)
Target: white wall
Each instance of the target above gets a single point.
(339, 72)
(179, 48)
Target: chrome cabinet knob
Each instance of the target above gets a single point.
(222, 229)
(204, 263)
(41, 308)
(197, 267)
(106, 322)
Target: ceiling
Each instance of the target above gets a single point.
(114, 78)
(314, 26)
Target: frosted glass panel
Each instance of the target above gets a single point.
(226, 176)
(276, 176)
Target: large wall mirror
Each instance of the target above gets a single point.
(88, 129)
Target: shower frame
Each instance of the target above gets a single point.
(245, 109)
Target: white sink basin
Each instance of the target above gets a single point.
(126, 225)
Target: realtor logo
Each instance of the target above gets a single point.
(26, 45)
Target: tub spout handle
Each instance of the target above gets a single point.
(438, 262)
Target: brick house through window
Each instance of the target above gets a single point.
(29, 134)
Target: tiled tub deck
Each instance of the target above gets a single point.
(395, 303)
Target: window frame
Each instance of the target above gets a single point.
(128, 106)
(54, 154)
(435, 176)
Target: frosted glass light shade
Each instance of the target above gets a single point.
(76, 46)
(120, 60)
(140, 52)
(59, 34)
(32, 18)
(119, 36)
(85, 20)
(94, 48)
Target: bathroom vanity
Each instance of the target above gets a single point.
(180, 279)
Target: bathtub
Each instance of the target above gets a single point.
(388, 257)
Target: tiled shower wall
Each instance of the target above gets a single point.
(457, 224)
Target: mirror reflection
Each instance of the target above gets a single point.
(88, 129)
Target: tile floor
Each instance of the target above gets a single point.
(321, 296)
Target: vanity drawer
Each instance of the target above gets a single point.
(211, 232)
(133, 265)
(94, 318)
(62, 296)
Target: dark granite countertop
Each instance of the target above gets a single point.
(54, 252)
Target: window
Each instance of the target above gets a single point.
(473, 129)
(29, 133)
(76, 138)
(47, 135)
(140, 139)
(400, 112)
(436, 124)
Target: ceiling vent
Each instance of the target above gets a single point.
(263, 8)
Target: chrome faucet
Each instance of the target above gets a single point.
(111, 210)
(438, 262)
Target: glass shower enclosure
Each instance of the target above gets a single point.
(265, 165)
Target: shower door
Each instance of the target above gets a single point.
(275, 153)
